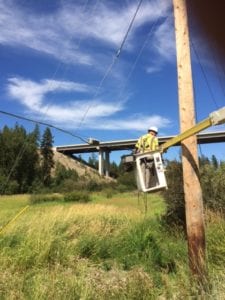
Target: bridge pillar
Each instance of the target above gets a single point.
(101, 162)
(107, 163)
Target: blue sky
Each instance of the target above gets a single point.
(57, 67)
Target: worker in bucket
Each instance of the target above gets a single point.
(147, 143)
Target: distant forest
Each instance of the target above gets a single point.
(26, 159)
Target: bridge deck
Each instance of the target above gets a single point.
(202, 138)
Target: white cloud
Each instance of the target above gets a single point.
(153, 69)
(41, 33)
(60, 34)
(31, 94)
(137, 123)
(163, 46)
(164, 40)
(34, 97)
(94, 114)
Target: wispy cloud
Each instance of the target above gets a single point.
(65, 33)
(134, 122)
(164, 40)
(31, 94)
(153, 68)
(101, 115)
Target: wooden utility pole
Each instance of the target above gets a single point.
(192, 188)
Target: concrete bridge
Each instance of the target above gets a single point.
(104, 148)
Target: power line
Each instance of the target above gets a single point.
(196, 114)
(216, 63)
(138, 56)
(22, 149)
(60, 63)
(43, 123)
(141, 50)
(115, 58)
(129, 28)
(204, 74)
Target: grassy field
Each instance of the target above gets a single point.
(112, 248)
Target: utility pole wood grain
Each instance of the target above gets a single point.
(192, 188)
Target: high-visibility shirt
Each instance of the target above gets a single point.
(146, 143)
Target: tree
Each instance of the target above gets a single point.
(203, 160)
(18, 159)
(33, 164)
(113, 170)
(62, 174)
(47, 156)
(214, 162)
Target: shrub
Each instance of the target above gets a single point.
(66, 186)
(8, 187)
(77, 196)
(61, 174)
(174, 196)
(121, 188)
(93, 186)
(40, 198)
(219, 188)
(128, 179)
(212, 178)
(109, 192)
(37, 187)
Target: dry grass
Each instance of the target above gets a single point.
(108, 249)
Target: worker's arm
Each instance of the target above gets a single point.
(139, 145)
(155, 145)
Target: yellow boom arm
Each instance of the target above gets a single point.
(215, 118)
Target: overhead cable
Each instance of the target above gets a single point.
(43, 123)
(204, 74)
(115, 58)
(140, 52)
(129, 28)
(216, 63)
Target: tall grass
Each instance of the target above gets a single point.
(109, 249)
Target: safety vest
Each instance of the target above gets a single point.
(146, 143)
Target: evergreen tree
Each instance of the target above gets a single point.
(35, 135)
(33, 164)
(204, 160)
(5, 150)
(47, 156)
(214, 162)
(113, 170)
(18, 160)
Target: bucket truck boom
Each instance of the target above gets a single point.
(157, 173)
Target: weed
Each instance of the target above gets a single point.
(40, 198)
(77, 196)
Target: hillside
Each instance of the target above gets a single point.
(79, 167)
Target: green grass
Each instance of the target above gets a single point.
(10, 206)
(111, 248)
